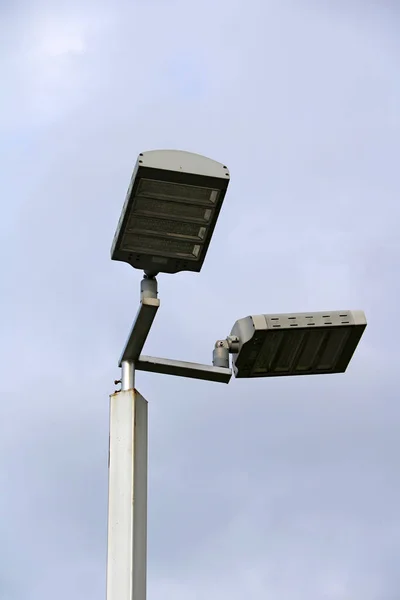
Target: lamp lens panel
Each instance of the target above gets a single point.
(165, 208)
(175, 191)
(178, 229)
(300, 351)
(267, 353)
(310, 351)
(132, 242)
(284, 360)
(335, 343)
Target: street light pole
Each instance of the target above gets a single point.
(127, 469)
(166, 225)
(128, 451)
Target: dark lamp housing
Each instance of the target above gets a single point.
(297, 344)
(170, 212)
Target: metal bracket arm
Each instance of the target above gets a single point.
(180, 368)
(149, 304)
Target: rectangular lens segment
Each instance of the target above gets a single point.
(310, 351)
(336, 339)
(166, 247)
(176, 191)
(166, 227)
(285, 359)
(164, 208)
(267, 353)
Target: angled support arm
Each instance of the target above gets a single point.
(131, 358)
(140, 329)
(149, 304)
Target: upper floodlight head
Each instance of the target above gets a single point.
(297, 344)
(170, 211)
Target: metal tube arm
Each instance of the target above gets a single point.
(149, 304)
(181, 368)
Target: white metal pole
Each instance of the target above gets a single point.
(127, 497)
(127, 375)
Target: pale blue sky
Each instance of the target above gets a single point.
(279, 488)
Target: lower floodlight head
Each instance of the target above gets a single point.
(297, 343)
(170, 211)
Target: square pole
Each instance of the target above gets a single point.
(127, 497)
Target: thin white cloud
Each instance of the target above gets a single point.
(44, 64)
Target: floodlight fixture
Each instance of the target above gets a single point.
(170, 211)
(296, 343)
